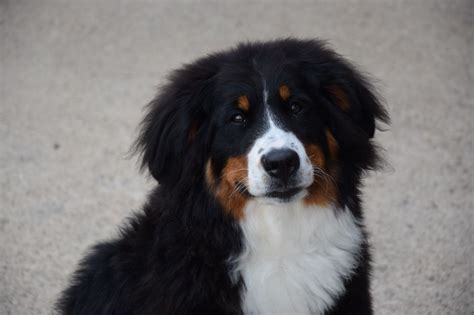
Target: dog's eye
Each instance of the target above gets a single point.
(238, 119)
(295, 108)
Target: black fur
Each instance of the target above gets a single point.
(172, 258)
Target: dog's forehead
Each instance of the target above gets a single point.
(260, 87)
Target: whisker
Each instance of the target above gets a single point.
(326, 178)
(239, 187)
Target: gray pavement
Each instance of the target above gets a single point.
(74, 76)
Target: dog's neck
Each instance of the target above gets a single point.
(295, 257)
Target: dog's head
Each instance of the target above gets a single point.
(280, 121)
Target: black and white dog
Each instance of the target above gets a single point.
(259, 151)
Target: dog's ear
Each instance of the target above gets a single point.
(354, 95)
(174, 124)
(351, 93)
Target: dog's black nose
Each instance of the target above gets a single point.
(281, 163)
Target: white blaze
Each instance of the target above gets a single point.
(275, 138)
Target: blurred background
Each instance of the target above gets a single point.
(75, 75)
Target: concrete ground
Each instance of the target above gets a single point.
(74, 76)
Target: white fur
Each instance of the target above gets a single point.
(275, 138)
(295, 258)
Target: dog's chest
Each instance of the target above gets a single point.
(296, 258)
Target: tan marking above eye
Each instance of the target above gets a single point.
(340, 96)
(227, 189)
(243, 103)
(284, 92)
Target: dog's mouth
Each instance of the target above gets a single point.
(278, 192)
(281, 195)
(284, 195)
(282, 192)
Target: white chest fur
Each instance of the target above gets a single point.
(296, 258)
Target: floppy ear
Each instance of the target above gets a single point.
(350, 92)
(174, 124)
(353, 94)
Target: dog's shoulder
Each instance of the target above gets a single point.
(105, 277)
(157, 260)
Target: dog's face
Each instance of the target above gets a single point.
(280, 122)
(270, 142)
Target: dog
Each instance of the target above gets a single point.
(259, 152)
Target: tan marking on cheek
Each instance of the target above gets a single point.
(316, 155)
(284, 92)
(209, 174)
(243, 103)
(229, 190)
(333, 146)
(323, 191)
(341, 98)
